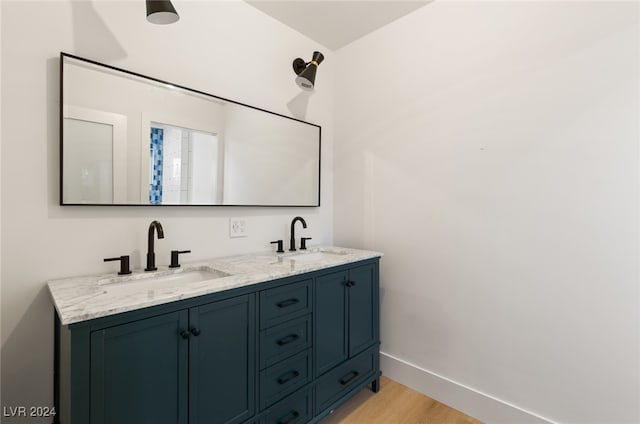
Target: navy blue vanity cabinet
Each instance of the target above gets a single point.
(346, 325)
(331, 313)
(184, 363)
(285, 342)
(363, 306)
(346, 315)
(222, 361)
(295, 409)
(286, 351)
(280, 304)
(139, 372)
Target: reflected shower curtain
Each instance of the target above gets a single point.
(155, 186)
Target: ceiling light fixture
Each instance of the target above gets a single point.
(161, 12)
(306, 71)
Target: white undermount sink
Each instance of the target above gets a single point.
(164, 279)
(319, 255)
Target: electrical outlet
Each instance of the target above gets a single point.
(237, 227)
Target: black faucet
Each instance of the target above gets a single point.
(292, 244)
(151, 255)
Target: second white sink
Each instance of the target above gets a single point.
(320, 255)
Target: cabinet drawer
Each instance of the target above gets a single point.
(282, 379)
(280, 342)
(281, 303)
(346, 376)
(296, 409)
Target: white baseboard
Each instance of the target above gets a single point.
(484, 407)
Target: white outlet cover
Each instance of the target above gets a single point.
(237, 227)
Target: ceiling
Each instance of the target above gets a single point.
(334, 24)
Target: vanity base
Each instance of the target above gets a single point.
(291, 350)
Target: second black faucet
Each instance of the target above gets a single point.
(292, 242)
(151, 255)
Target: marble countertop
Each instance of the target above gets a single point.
(82, 298)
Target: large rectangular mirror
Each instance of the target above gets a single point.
(129, 139)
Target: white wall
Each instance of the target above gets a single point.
(227, 48)
(1, 115)
(490, 149)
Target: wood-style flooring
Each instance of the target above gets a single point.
(395, 404)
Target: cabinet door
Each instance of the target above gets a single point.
(139, 372)
(222, 361)
(363, 308)
(330, 321)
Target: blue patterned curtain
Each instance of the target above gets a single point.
(155, 187)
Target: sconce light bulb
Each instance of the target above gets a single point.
(161, 12)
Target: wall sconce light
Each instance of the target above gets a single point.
(306, 71)
(161, 12)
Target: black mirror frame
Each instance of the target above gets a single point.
(61, 124)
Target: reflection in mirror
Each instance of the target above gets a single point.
(184, 166)
(90, 161)
(133, 140)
